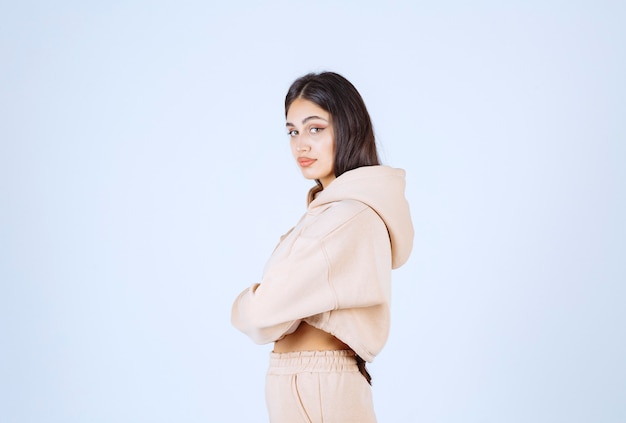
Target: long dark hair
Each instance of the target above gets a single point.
(355, 145)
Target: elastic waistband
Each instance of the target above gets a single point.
(312, 362)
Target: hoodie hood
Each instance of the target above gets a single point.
(382, 189)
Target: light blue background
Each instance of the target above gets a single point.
(145, 177)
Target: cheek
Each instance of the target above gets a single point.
(292, 147)
(330, 150)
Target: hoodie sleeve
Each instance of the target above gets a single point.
(342, 260)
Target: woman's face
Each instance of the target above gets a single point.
(312, 140)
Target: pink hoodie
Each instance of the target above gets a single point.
(333, 269)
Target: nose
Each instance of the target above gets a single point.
(302, 145)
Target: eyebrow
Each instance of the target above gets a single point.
(306, 119)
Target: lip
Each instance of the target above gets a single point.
(305, 161)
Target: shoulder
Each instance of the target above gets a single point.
(338, 215)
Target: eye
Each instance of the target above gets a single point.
(315, 130)
(292, 133)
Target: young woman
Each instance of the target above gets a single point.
(324, 296)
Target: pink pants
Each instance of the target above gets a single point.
(316, 387)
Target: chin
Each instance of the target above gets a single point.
(308, 175)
